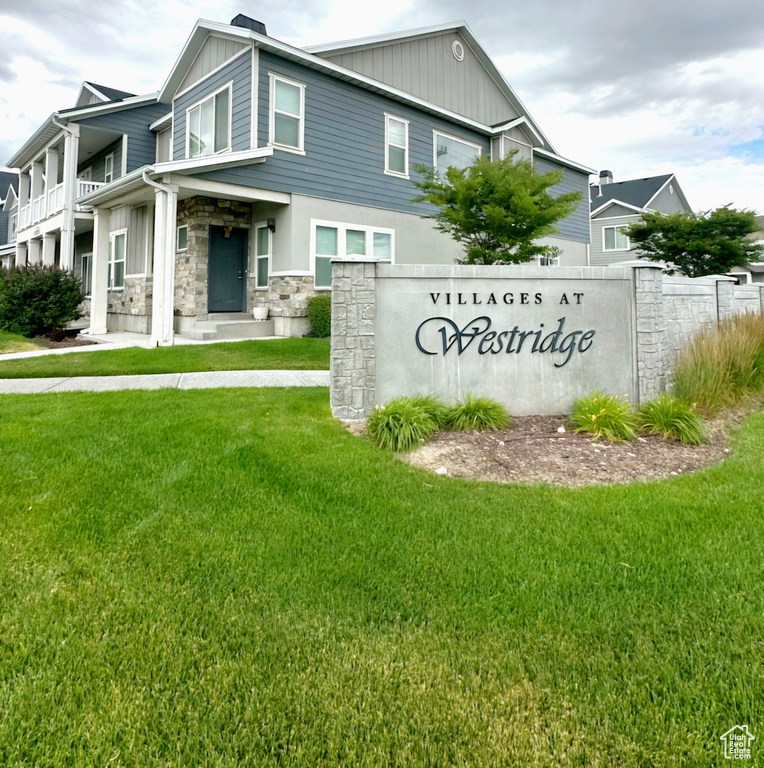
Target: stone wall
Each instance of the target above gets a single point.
(130, 308)
(353, 365)
(402, 330)
(191, 265)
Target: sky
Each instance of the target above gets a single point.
(640, 89)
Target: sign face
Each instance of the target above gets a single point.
(534, 345)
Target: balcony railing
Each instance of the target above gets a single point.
(51, 203)
(86, 187)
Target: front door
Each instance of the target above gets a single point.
(227, 269)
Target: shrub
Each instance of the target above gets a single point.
(320, 316)
(35, 300)
(403, 423)
(477, 413)
(720, 367)
(671, 417)
(605, 416)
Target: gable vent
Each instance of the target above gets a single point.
(247, 23)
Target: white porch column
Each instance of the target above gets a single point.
(49, 250)
(163, 302)
(34, 254)
(24, 183)
(51, 168)
(37, 183)
(71, 150)
(21, 254)
(99, 290)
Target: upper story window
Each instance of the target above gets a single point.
(449, 151)
(287, 114)
(330, 240)
(396, 146)
(108, 168)
(208, 125)
(615, 239)
(12, 226)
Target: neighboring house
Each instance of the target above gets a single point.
(753, 272)
(616, 205)
(256, 163)
(9, 185)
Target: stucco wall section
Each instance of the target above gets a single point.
(353, 364)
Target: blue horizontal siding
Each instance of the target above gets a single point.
(344, 143)
(4, 223)
(576, 226)
(97, 164)
(141, 142)
(239, 70)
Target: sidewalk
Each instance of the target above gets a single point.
(202, 380)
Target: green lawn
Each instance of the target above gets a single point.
(13, 342)
(228, 577)
(276, 354)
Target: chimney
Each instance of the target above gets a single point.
(606, 177)
(244, 21)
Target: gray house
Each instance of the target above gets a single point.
(615, 205)
(9, 185)
(256, 163)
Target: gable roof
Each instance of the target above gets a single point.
(111, 94)
(330, 50)
(204, 28)
(91, 93)
(635, 194)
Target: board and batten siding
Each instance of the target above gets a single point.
(135, 122)
(344, 156)
(667, 201)
(215, 52)
(427, 68)
(598, 257)
(576, 226)
(239, 72)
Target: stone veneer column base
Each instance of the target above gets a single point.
(353, 365)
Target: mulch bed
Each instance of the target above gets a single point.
(536, 450)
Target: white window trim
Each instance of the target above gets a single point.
(437, 133)
(112, 237)
(229, 87)
(177, 238)
(615, 250)
(107, 157)
(84, 256)
(342, 227)
(272, 78)
(388, 171)
(255, 257)
(86, 174)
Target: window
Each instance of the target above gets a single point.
(287, 113)
(331, 240)
(12, 225)
(262, 255)
(86, 174)
(396, 146)
(87, 273)
(548, 261)
(449, 151)
(208, 125)
(183, 238)
(108, 168)
(117, 252)
(615, 239)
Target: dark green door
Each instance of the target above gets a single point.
(227, 270)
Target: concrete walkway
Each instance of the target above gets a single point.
(203, 380)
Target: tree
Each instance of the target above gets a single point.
(497, 209)
(697, 244)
